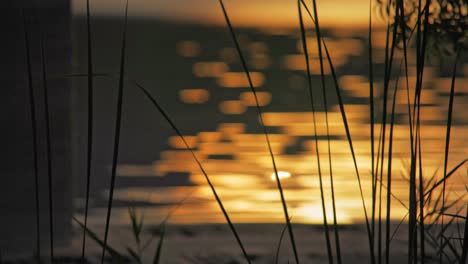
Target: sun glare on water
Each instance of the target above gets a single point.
(281, 175)
(313, 213)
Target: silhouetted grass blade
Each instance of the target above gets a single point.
(32, 106)
(174, 127)
(113, 252)
(157, 256)
(90, 126)
(322, 78)
(347, 130)
(247, 73)
(278, 248)
(449, 127)
(117, 130)
(134, 255)
(463, 258)
(446, 177)
(372, 118)
(48, 143)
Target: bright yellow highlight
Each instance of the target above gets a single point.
(281, 175)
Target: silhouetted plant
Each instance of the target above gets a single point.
(446, 25)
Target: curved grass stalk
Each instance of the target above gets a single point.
(317, 151)
(90, 127)
(32, 107)
(448, 129)
(259, 111)
(174, 127)
(48, 144)
(348, 134)
(118, 121)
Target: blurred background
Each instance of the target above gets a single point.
(181, 51)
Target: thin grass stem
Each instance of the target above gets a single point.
(32, 107)
(259, 111)
(48, 143)
(202, 169)
(118, 121)
(90, 127)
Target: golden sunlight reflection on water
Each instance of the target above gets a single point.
(239, 164)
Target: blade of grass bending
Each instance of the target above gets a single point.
(113, 252)
(421, 208)
(404, 60)
(32, 106)
(348, 133)
(402, 25)
(421, 178)
(449, 127)
(165, 221)
(48, 143)
(446, 177)
(166, 116)
(90, 127)
(134, 255)
(389, 179)
(372, 115)
(463, 259)
(157, 256)
(279, 243)
(412, 243)
(322, 80)
(452, 248)
(136, 221)
(117, 131)
(259, 111)
(389, 54)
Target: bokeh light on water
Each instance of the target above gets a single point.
(200, 79)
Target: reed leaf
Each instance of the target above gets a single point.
(265, 131)
(118, 121)
(89, 127)
(218, 200)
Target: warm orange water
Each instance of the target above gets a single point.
(245, 182)
(243, 177)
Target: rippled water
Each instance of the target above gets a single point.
(196, 75)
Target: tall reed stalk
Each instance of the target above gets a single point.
(48, 141)
(312, 104)
(202, 169)
(447, 136)
(348, 136)
(265, 131)
(32, 107)
(118, 121)
(89, 127)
